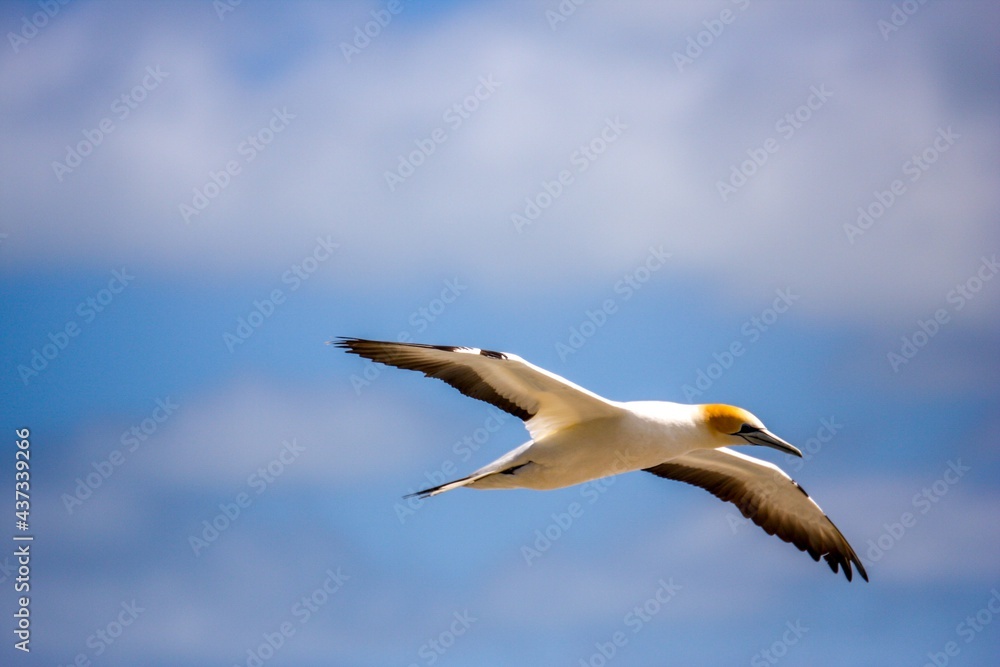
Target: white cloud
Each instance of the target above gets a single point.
(339, 438)
(656, 184)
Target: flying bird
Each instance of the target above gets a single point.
(578, 436)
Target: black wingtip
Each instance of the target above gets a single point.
(342, 341)
(836, 561)
(349, 343)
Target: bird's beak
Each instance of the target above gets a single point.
(767, 439)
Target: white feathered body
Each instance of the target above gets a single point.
(640, 435)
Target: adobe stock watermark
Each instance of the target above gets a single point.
(967, 630)
(370, 30)
(434, 648)
(33, 24)
(105, 636)
(794, 632)
(420, 320)
(294, 277)
(131, 440)
(257, 483)
(463, 450)
(223, 7)
(750, 332)
(301, 612)
(561, 12)
(786, 127)
(625, 288)
(704, 39)
(87, 311)
(912, 169)
(580, 160)
(121, 108)
(827, 431)
(453, 117)
(248, 150)
(923, 502)
(633, 622)
(899, 16)
(956, 299)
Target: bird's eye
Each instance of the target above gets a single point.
(747, 429)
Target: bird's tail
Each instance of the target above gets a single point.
(448, 486)
(492, 471)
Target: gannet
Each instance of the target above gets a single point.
(578, 436)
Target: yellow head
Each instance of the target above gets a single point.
(730, 425)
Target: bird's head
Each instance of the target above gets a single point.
(730, 425)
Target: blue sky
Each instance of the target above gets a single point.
(790, 208)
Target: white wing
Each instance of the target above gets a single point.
(769, 498)
(545, 401)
